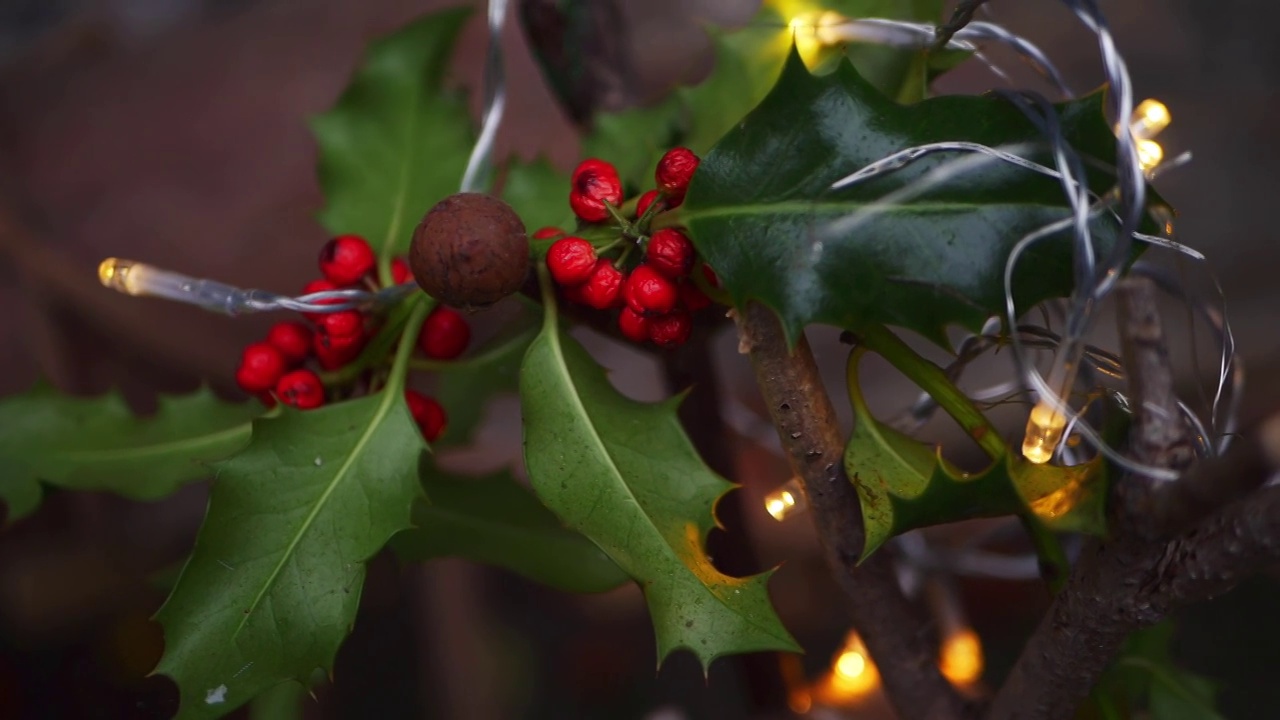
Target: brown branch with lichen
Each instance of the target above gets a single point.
(806, 423)
(1138, 575)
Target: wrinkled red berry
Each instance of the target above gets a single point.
(648, 292)
(571, 260)
(670, 253)
(342, 324)
(292, 339)
(346, 259)
(261, 365)
(671, 329)
(547, 233)
(634, 327)
(427, 413)
(675, 169)
(301, 389)
(692, 297)
(645, 201)
(445, 334)
(595, 182)
(604, 289)
(334, 351)
(400, 272)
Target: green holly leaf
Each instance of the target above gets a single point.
(465, 386)
(625, 475)
(1145, 675)
(397, 141)
(100, 444)
(904, 484)
(760, 199)
(539, 193)
(272, 587)
(496, 521)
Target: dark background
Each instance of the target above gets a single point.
(174, 131)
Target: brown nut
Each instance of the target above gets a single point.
(470, 250)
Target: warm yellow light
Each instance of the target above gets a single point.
(961, 660)
(1149, 118)
(1059, 502)
(815, 30)
(786, 500)
(800, 701)
(853, 676)
(1149, 155)
(1044, 432)
(124, 276)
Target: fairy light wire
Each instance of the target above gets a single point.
(139, 279)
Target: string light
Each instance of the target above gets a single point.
(139, 280)
(961, 659)
(853, 676)
(787, 500)
(1149, 119)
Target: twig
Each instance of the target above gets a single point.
(962, 16)
(806, 424)
(1135, 579)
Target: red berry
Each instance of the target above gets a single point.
(710, 275)
(670, 253)
(604, 289)
(427, 413)
(261, 366)
(345, 324)
(645, 201)
(335, 351)
(316, 286)
(301, 389)
(571, 260)
(675, 169)
(547, 233)
(648, 292)
(400, 272)
(292, 339)
(692, 297)
(634, 326)
(346, 259)
(445, 334)
(595, 182)
(670, 330)
(267, 399)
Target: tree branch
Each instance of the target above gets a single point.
(805, 419)
(1139, 576)
(962, 16)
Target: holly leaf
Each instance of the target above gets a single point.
(1145, 675)
(397, 141)
(272, 587)
(465, 386)
(625, 475)
(760, 210)
(98, 443)
(539, 193)
(904, 484)
(496, 521)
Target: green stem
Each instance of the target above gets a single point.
(422, 305)
(882, 341)
(375, 353)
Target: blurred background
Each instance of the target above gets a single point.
(174, 131)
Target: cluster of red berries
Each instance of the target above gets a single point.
(656, 294)
(274, 369)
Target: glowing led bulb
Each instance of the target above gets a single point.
(1149, 118)
(1044, 432)
(124, 276)
(852, 675)
(1149, 155)
(787, 499)
(962, 660)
